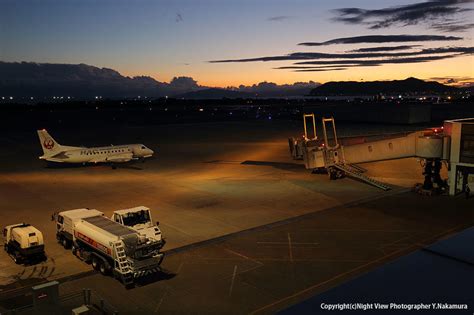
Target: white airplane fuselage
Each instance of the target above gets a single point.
(54, 152)
(122, 153)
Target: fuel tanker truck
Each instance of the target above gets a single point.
(24, 243)
(110, 247)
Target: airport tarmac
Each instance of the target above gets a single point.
(269, 269)
(206, 181)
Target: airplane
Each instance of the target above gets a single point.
(57, 153)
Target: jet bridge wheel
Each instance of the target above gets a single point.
(335, 173)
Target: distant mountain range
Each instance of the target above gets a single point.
(407, 86)
(29, 79)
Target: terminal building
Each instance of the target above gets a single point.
(461, 158)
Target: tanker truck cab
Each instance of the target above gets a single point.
(24, 243)
(139, 219)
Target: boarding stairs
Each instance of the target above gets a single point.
(122, 266)
(356, 172)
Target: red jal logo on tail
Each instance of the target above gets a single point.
(48, 144)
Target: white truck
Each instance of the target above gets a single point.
(139, 219)
(109, 246)
(24, 243)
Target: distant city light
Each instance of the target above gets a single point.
(201, 109)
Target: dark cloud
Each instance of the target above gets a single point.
(279, 18)
(383, 39)
(320, 70)
(316, 55)
(270, 89)
(385, 48)
(455, 80)
(330, 65)
(377, 62)
(184, 83)
(335, 65)
(451, 27)
(433, 10)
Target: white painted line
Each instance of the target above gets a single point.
(285, 243)
(243, 256)
(233, 279)
(159, 303)
(179, 267)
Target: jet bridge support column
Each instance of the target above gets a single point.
(431, 171)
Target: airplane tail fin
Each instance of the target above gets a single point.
(49, 145)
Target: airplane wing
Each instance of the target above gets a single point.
(120, 158)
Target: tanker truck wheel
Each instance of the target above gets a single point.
(95, 263)
(17, 257)
(65, 243)
(104, 268)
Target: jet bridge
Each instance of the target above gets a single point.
(452, 145)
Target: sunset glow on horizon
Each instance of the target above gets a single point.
(166, 39)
